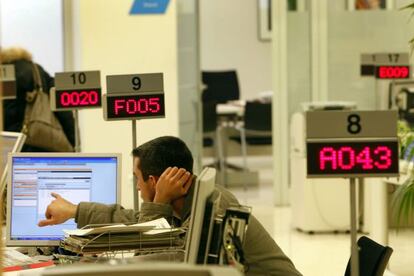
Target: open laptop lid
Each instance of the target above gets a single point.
(76, 177)
(11, 142)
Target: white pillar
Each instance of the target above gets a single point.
(319, 50)
(280, 103)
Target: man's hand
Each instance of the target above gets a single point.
(172, 184)
(59, 211)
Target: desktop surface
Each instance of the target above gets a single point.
(75, 177)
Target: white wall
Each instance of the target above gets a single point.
(229, 40)
(35, 26)
(111, 40)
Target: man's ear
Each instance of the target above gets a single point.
(153, 180)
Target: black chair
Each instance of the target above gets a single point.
(373, 258)
(211, 133)
(258, 123)
(220, 86)
(209, 123)
(256, 128)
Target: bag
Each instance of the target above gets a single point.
(42, 128)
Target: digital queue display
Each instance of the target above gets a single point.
(392, 72)
(135, 106)
(358, 158)
(81, 98)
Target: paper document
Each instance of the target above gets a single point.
(160, 223)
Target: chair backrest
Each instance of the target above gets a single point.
(209, 117)
(258, 116)
(221, 86)
(373, 258)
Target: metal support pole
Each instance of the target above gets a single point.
(361, 204)
(134, 179)
(77, 133)
(354, 245)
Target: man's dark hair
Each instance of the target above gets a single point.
(160, 153)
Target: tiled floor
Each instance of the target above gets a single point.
(318, 254)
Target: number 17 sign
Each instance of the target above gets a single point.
(352, 144)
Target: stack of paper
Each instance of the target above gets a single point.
(156, 234)
(13, 260)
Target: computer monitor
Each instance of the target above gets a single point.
(10, 142)
(197, 239)
(75, 176)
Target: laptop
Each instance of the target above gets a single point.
(76, 177)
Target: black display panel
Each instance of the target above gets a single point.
(136, 106)
(82, 98)
(352, 158)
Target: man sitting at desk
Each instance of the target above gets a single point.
(163, 168)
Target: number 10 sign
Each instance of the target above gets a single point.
(352, 143)
(76, 90)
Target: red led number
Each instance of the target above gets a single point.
(141, 106)
(346, 158)
(385, 157)
(393, 72)
(84, 98)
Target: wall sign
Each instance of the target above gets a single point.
(149, 7)
(134, 96)
(8, 81)
(352, 143)
(76, 90)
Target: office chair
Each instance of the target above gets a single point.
(373, 258)
(257, 126)
(209, 123)
(211, 133)
(258, 123)
(220, 86)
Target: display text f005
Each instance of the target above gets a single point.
(137, 106)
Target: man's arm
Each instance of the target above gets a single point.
(60, 210)
(98, 213)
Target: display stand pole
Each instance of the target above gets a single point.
(354, 245)
(77, 134)
(134, 179)
(361, 203)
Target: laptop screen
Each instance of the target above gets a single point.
(76, 177)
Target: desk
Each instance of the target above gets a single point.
(231, 108)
